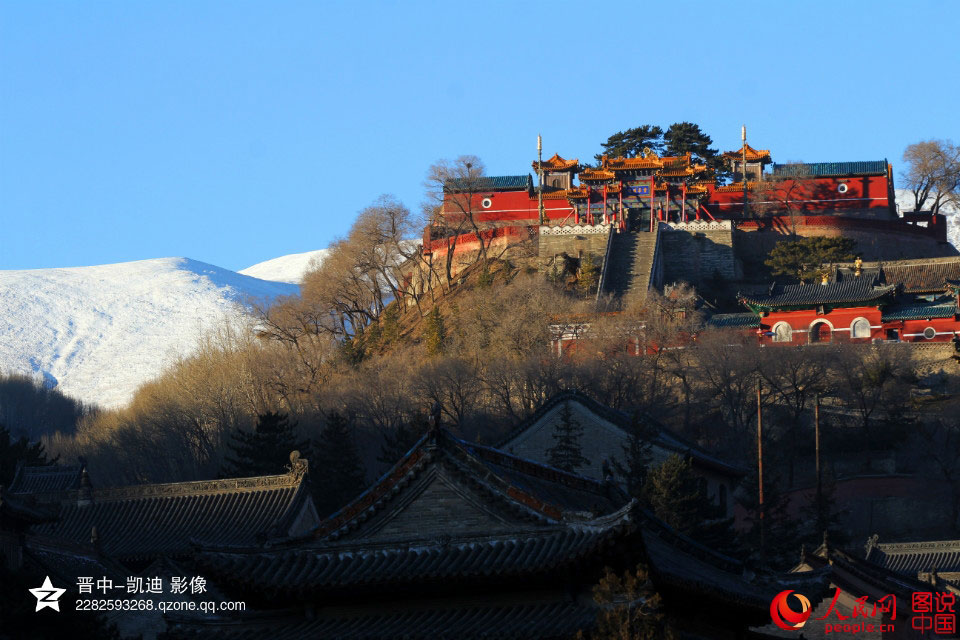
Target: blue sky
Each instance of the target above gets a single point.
(237, 132)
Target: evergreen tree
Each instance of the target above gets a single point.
(589, 276)
(399, 441)
(632, 142)
(637, 455)
(391, 324)
(677, 496)
(337, 473)
(435, 332)
(809, 258)
(265, 450)
(565, 454)
(14, 452)
(683, 137)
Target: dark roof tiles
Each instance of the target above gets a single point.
(849, 291)
(46, 478)
(828, 169)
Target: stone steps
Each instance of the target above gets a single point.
(631, 259)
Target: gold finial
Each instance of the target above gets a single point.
(825, 278)
(857, 266)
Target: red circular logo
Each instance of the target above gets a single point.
(785, 617)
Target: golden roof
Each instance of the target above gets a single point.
(557, 163)
(762, 155)
(597, 174)
(736, 186)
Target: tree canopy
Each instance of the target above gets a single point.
(933, 173)
(632, 142)
(809, 258)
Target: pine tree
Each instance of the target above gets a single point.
(565, 454)
(637, 455)
(435, 332)
(632, 142)
(589, 276)
(677, 496)
(265, 450)
(20, 451)
(399, 441)
(684, 137)
(337, 473)
(391, 324)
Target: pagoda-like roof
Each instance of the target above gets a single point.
(861, 291)
(46, 478)
(666, 439)
(597, 174)
(151, 520)
(830, 169)
(744, 320)
(557, 163)
(753, 155)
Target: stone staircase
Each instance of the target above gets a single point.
(631, 267)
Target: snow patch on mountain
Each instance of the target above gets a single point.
(97, 333)
(289, 269)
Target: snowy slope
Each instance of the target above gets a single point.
(99, 332)
(288, 269)
(905, 203)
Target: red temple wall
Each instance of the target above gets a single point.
(811, 196)
(839, 319)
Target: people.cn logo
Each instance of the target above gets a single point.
(785, 617)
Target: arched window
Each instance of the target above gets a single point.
(782, 332)
(820, 332)
(860, 328)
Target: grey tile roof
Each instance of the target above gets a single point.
(911, 558)
(920, 311)
(824, 169)
(734, 320)
(330, 568)
(42, 479)
(537, 620)
(852, 291)
(151, 520)
(667, 438)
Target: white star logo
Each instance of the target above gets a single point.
(47, 595)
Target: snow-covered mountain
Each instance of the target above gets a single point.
(97, 333)
(288, 269)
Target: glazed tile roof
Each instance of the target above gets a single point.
(18, 510)
(534, 620)
(597, 174)
(146, 521)
(491, 183)
(557, 163)
(667, 438)
(920, 311)
(752, 154)
(731, 320)
(826, 169)
(42, 479)
(911, 558)
(850, 291)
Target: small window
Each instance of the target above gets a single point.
(929, 333)
(860, 328)
(782, 332)
(842, 187)
(486, 203)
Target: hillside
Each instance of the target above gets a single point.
(289, 269)
(99, 332)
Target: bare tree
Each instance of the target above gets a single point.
(933, 171)
(454, 191)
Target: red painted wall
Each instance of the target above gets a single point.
(840, 319)
(510, 206)
(811, 196)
